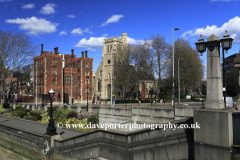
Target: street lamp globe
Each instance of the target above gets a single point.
(51, 92)
(226, 41)
(201, 45)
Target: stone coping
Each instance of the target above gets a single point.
(227, 109)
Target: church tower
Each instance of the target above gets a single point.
(110, 46)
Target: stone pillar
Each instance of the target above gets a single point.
(79, 108)
(90, 109)
(213, 138)
(214, 76)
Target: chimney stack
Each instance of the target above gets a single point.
(85, 53)
(56, 50)
(72, 52)
(82, 53)
(41, 48)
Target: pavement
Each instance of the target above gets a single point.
(37, 128)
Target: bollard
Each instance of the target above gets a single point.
(79, 108)
(39, 108)
(90, 109)
(33, 107)
(14, 106)
(28, 106)
(45, 108)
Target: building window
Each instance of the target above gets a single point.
(78, 82)
(54, 80)
(108, 74)
(86, 90)
(86, 81)
(99, 86)
(78, 65)
(53, 62)
(87, 65)
(109, 61)
(67, 79)
(86, 73)
(78, 90)
(54, 71)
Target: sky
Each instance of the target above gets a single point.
(82, 25)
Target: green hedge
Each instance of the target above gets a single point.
(126, 101)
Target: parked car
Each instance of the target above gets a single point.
(229, 102)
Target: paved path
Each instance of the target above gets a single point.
(36, 127)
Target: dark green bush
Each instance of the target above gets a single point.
(126, 101)
(94, 119)
(6, 105)
(18, 107)
(35, 114)
(72, 114)
(22, 114)
(11, 107)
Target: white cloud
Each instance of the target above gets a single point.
(77, 31)
(113, 19)
(71, 16)
(28, 6)
(48, 9)
(87, 31)
(134, 41)
(105, 35)
(97, 42)
(62, 33)
(34, 25)
(232, 27)
(93, 43)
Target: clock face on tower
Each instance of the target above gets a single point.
(45, 148)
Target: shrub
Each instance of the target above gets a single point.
(45, 118)
(94, 119)
(61, 113)
(72, 114)
(18, 107)
(84, 122)
(1, 108)
(22, 114)
(11, 108)
(35, 114)
(6, 105)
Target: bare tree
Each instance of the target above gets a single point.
(16, 51)
(161, 57)
(191, 66)
(124, 71)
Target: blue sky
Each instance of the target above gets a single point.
(82, 25)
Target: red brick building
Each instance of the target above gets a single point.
(54, 69)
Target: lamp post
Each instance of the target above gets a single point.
(173, 63)
(51, 129)
(87, 97)
(178, 83)
(226, 43)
